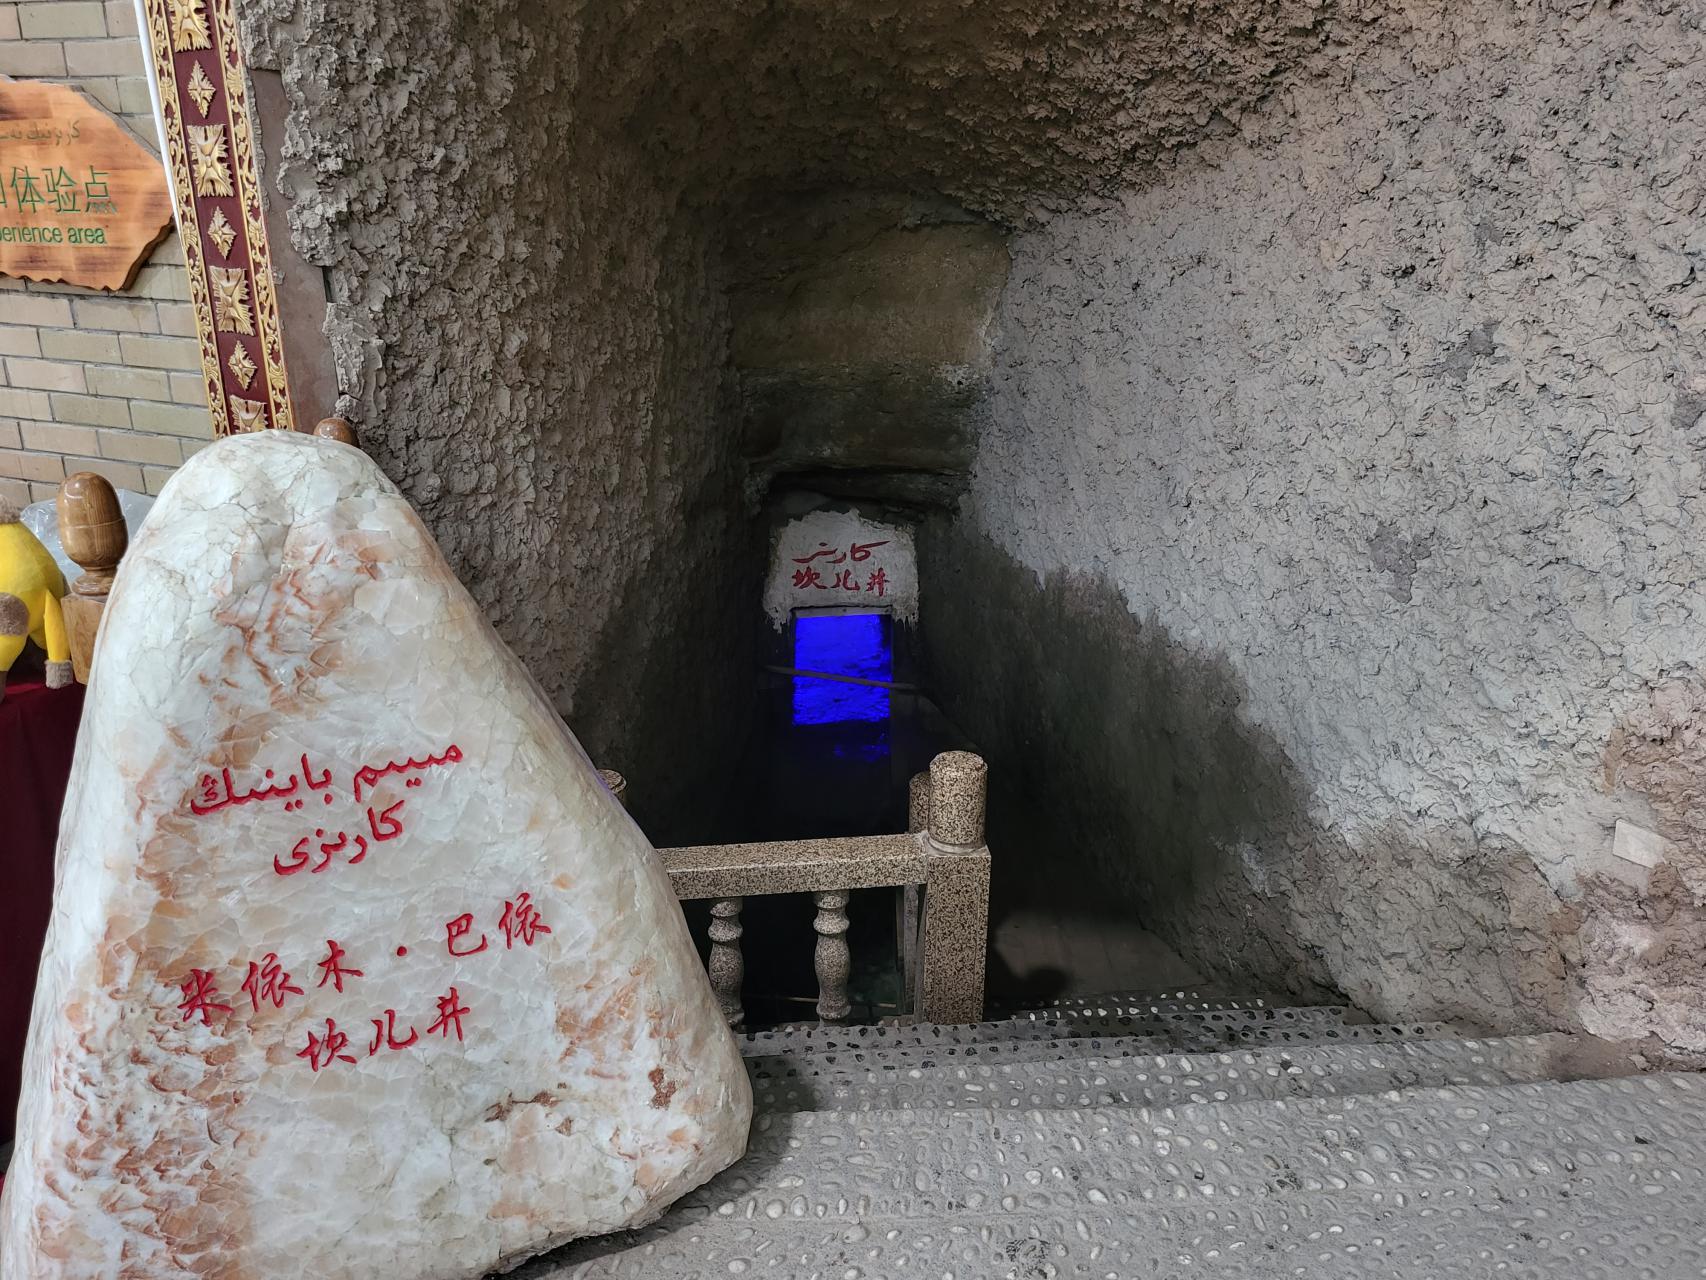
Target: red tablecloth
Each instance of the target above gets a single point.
(38, 729)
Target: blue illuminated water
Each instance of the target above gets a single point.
(848, 644)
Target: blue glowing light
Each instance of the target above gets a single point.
(844, 644)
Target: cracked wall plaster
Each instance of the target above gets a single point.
(518, 208)
(860, 342)
(1006, 107)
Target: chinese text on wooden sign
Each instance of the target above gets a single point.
(81, 201)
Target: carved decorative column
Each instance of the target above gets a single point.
(209, 134)
(725, 964)
(832, 960)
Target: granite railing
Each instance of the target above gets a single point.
(941, 867)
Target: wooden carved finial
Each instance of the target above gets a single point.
(92, 531)
(337, 429)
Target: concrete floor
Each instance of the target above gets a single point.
(1039, 953)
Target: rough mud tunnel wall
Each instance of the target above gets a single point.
(515, 206)
(537, 351)
(1328, 558)
(1346, 493)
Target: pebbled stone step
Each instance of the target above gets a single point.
(1177, 1079)
(1127, 1002)
(783, 1056)
(1542, 1233)
(1593, 1177)
(1212, 1026)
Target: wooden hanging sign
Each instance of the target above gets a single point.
(81, 201)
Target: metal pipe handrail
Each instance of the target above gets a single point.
(897, 686)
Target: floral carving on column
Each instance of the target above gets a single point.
(210, 153)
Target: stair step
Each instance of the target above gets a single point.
(1117, 1002)
(1222, 1025)
(1545, 1233)
(1563, 1179)
(783, 1056)
(1171, 1079)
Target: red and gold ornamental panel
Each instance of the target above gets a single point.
(209, 139)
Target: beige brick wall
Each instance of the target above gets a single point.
(89, 380)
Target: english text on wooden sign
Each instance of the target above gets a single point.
(81, 201)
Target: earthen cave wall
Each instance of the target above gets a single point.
(1331, 568)
(534, 345)
(1327, 574)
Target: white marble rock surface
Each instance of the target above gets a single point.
(186, 1115)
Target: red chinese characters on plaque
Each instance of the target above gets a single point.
(841, 560)
(854, 573)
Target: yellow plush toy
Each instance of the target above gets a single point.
(30, 587)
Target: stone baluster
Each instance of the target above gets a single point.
(956, 895)
(832, 960)
(958, 790)
(725, 965)
(617, 785)
(918, 802)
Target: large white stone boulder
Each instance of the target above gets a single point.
(355, 969)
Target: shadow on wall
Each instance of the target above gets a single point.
(1125, 778)
(686, 706)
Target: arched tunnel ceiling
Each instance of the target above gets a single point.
(997, 104)
(519, 206)
(779, 110)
